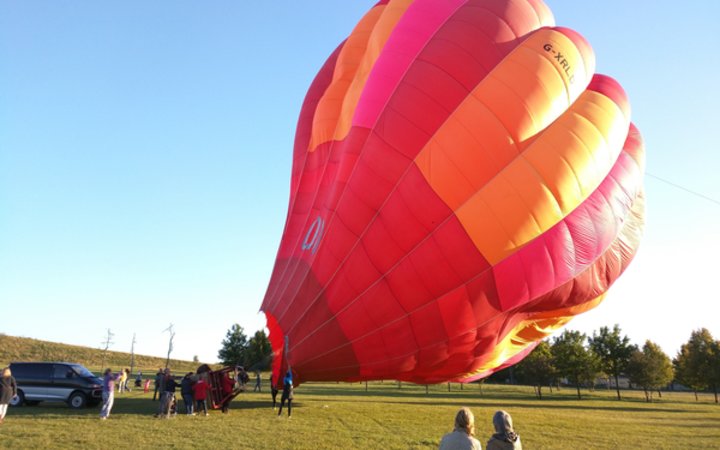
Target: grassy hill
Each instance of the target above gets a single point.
(27, 349)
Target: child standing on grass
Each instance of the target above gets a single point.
(200, 390)
(8, 391)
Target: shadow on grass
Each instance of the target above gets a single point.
(130, 406)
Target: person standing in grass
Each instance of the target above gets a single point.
(186, 390)
(123, 380)
(8, 391)
(461, 438)
(200, 390)
(505, 437)
(108, 393)
(287, 394)
(273, 391)
(228, 387)
(159, 387)
(167, 399)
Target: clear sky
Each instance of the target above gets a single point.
(145, 152)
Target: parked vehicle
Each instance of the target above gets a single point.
(55, 382)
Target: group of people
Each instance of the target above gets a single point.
(194, 390)
(463, 435)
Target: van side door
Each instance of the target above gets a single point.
(64, 382)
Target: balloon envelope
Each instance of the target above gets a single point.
(463, 184)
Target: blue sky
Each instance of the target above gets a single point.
(145, 152)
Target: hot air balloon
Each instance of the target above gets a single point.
(463, 184)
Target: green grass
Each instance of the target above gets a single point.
(329, 415)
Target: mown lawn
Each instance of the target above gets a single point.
(330, 415)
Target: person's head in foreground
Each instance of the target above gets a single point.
(504, 430)
(465, 421)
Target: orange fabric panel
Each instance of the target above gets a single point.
(551, 178)
(335, 110)
(526, 92)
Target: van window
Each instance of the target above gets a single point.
(31, 371)
(62, 371)
(82, 371)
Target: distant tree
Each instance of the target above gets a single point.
(614, 352)
(259, 352)
(573, 360)
(170, 330)
(697, 364)
(196, 359)
(538, 368)
(234, 347)
(650, 368)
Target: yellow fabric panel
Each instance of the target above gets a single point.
(334, 113)
(561, 168)
(521, 96)
(536, 327)
(572, 165)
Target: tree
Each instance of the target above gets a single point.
(107, 343)
(614, 352)
(697, 363)
(234, 347)
(650, 368)
(259, 352)
(573, 360)
(538, 368)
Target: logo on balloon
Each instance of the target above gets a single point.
(561, 61)
(313, 235)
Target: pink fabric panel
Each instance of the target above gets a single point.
(422, 19)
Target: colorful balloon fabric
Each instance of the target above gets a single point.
(463, 184)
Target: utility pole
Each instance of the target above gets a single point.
(132, 356)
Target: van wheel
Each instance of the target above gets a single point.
(78, 400)
(19, 399)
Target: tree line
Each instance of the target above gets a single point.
(581, 360)
(253, 354)
(572, 356)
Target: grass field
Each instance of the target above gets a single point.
(330, 415)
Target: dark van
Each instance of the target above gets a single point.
(55, 382)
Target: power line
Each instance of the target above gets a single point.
(710, 199)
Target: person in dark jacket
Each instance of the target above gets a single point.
(287, 394)
(186, 390)
(168, 396)
(273, 391)
(505, 437)
(159, 388)
(8, 391)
